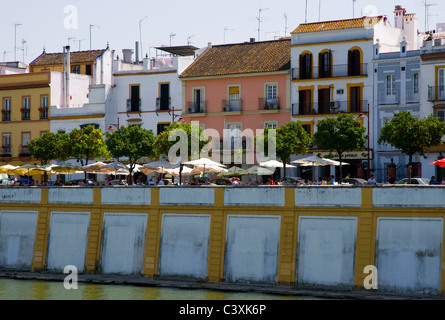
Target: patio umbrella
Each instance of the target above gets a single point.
(208, 169)
(317, 161)
(30, 170)
(234, 171)
(7, 169)
(275, 164)
(204, 162)
(115, 168)
(175, 172)
(161, 164)
(67, 168)
(260, 171)
(94, 167)
(439, 163)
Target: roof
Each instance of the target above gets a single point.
(337, 24)
(182, 51)
(75, 57)
(241, 58)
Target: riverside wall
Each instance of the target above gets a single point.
(318, 237)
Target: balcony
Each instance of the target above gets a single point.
(232, 105)
(24, 152)
(341, 70)
(269, 104)
(327, 108)
(6, 115)
(6, 151)
(196, 106)
(436, 93)
(163, 104)
(384, 99)
(26, 113)
(43, 113)
(134, 105)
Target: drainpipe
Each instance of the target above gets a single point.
(63, 78)
(68, 71)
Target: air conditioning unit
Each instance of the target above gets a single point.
(226, 109)
(273, 105)
(335, 106)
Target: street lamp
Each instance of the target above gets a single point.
(113, 126)
(362, 116)
(176, 116)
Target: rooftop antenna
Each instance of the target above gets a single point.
(259, 21)
(80, 41)
(69, 39)
(23, 49)
(189, 39)
(353, 8)
(319, 10)
(285, 24)
(15, 39)
(305, 13)
(91, 27)
(172, 35)
(140, 35)
(427, 13)
(225, 30)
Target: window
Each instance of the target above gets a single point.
(270, 124)
(6, 111)
(162, 127)
(88, 70)
(271, 101)
(305, 106)
(416, 83)
(26, 109)
(198, 104)
(134, 103)
(324, 62)
(44, 107)
(75, 69)
(163, 102)
(390, 85)
(354, 62)
(6, 144)
(441, 115)
(306, 66)
(234, 99)
(441, 84)
(26, 138)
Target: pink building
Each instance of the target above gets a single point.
(239, 86)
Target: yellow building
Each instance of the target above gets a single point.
(25, 101)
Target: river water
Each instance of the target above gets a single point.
(47, 290)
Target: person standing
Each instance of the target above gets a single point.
(372, 181)
(332, 181)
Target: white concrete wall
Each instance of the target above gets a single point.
(67, 240)
(126, 196)
(17, 238)
(20, 195)
(409, 196)
(184, 245)
(252, 244)
(328, 197)
(409, 254)
(187, 196)
(326, 251)
(261, 197)
(71, 195)
(123, 243)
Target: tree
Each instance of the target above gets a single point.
(133, 142)
(50, 146)
(87, 144)
(163, 146)
(411, 135)
(291, 139)
(340, 134)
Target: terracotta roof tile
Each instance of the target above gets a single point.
(241, 58)
(337, 24)
(76, 57)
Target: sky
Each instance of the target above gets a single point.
(29, 26)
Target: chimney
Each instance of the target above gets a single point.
(137, 52)
(399, 13)
(128, 55)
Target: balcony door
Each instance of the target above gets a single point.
(135, 98)
(355, 103)
(441, 84)
(165, 96)
(305, 102)
(324, 101)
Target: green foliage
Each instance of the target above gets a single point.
(49, 146)
(340, 134)
(133, 142)
(411, 135)
(162, 145)
(87, 144)
(291, 138)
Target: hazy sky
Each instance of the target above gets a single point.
(50, 23)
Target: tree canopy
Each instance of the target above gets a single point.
(291, 139)
(49, 146)
(411, 135)
(340, 134)
(133, 142)
(87, 144)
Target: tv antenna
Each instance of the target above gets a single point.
(91, 27)
(285, 24)
(80, 41)
(427, 13)
(225, 30)
(189, 39)
(140, 35)
(172, 35)
(15, 39)
(259, 21)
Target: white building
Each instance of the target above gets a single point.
(333, 71)
(149, 92)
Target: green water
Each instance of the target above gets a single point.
(44, 290)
